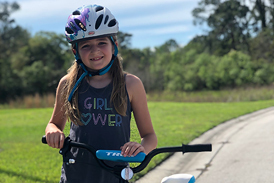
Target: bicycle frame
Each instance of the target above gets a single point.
(125, 172)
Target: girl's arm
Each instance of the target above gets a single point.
(54, 130)
(137, 96)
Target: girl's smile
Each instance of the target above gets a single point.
(96, 59)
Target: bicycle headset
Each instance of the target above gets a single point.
(88, 22)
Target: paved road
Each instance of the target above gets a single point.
(243, 152)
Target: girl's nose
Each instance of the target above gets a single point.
(94, 49)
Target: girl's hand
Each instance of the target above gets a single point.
(55, 139)
(131, 149)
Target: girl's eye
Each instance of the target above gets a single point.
(85, 46)
(102, 43)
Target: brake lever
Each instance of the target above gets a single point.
(65, 150)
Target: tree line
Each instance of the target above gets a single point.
(236, 50)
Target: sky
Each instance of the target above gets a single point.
(151, 22)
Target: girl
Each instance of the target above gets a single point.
(98, 97)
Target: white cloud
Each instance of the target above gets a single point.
(159, 18)
(160, 31)
(33, 11)
(142, 17)
(46, 8)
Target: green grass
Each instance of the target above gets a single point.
(239, 94)
(24, 159)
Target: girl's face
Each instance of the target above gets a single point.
(96, 53)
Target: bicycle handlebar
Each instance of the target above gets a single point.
(141, 157)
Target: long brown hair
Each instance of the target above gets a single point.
(118, 96)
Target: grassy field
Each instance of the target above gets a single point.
(24, 159)
(226, 95)
(241, 94)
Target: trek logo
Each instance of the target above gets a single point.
(114, 154)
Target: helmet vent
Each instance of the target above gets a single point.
(76, 12)
(106, 19)
(80, 24)
(72, 25)
(112, 23)
(99, 8)
(99, 21)
(69, 30)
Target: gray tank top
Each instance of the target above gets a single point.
(103, 129)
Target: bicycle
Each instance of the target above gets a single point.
(125, 172)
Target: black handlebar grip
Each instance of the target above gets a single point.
(44, 140)
(197, 148)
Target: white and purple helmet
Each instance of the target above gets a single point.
(89, 22)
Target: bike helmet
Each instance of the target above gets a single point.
(89, 22)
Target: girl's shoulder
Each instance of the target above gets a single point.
(63, 80)
(134, 85)
(132, 81)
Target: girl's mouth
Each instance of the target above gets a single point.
(96, 59)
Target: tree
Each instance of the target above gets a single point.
(262, 46)
(12, 37)
(124, 40)
(5, 10)
(42, 62)
(160, 64)
(263, 14)
(228, 23)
